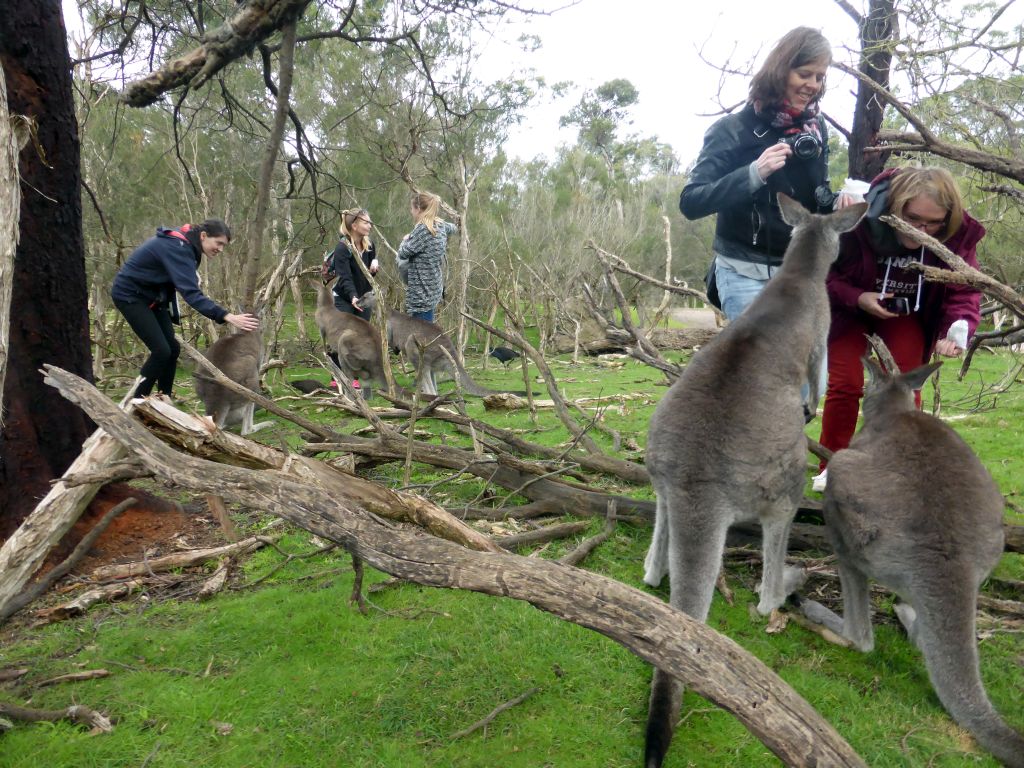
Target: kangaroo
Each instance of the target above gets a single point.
(425, 345)
(910, 505)
(726, 443)
(239, 357)
(355, 341)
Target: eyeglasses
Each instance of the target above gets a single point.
(928, 225)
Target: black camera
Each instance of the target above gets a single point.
(805, 146)
(898, 305)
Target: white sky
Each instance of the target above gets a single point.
(654, 44)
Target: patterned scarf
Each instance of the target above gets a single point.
(790, 120)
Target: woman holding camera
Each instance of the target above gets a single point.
(873, 289)
(777, 143)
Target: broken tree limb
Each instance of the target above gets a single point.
(76, 713)
(709, 663)
(579, 554)
(495, 712)
(541, 535)
(254, 21)
(177, 560)
(74, 677)
(90, 597)
(195, 436)
(27, 548)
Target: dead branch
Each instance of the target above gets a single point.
(710, 664)
(90, 597)
(73, 677)
(193, 435)
(541, 535)
(254, 21)
(581, 552)
(77, 713)
(178, 560)
(495, 712)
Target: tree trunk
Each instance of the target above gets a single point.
(259, 224)
(49, 306)
(878, 32)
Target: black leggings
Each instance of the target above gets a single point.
(153, 326)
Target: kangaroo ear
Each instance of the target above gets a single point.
(847, 218)
(793, 213)
(916, 378)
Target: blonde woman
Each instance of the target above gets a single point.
(355, 242)
(873, 288)
(424, 251)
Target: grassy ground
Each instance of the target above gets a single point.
(288, 674)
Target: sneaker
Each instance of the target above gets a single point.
(334, 384)
(818, 483)
(355, 384)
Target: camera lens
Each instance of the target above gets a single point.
(805, 146)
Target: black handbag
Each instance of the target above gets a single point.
(711, 287)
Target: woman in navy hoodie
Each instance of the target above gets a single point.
(144, 292)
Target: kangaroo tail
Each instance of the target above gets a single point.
(947, 640)
(666, 698)
(470, 387)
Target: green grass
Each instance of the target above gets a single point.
(288, 674)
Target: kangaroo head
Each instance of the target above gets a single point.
(843, 220)
(887, 392)
(368, 301)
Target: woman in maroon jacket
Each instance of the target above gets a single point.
(872, 289)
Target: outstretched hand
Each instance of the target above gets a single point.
(245, 322)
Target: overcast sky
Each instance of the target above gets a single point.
(655, 45)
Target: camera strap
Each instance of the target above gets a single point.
(920, 278)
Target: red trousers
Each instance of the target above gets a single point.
(905, 339)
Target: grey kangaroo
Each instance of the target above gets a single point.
(726, 443)
(428, 348)
(353, 339)
(910, 505)
(239, 357)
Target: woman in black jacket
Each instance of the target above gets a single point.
(354, 243)
(144, 292)
(777, 143)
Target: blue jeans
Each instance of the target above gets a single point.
(738, 292)
(428, 315)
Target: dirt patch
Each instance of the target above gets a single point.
(152, 526)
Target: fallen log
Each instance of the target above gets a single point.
(707, 662)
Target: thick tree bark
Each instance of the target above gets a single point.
(49, 306)
(709, 663)
(878, 32)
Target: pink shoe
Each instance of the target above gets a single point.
(355, 384)
(334, 384)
